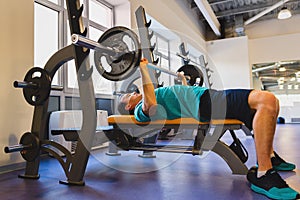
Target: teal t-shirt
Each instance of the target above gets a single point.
(174, 102)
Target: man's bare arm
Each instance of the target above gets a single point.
(149, 101)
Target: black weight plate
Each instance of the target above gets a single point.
(126, 43)
(133, 88)
(38, 95)
(31, 153)
(193, 72)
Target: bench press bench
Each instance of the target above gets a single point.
(126, 130)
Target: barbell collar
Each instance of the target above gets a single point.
(90, 44)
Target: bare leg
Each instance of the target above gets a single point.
(264, 125)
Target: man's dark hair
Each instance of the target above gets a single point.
(122, 110)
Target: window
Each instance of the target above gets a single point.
(51, 15)
(54, 1)
(99, 19)
(100, 13)
(161, 52)
(46, 43)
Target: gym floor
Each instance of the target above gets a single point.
(168, 176)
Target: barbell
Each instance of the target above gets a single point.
(118, 53)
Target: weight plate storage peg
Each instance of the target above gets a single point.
(127, 55)
(37, 86)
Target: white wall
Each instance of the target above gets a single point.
(229, 59)
(275, 27)
(16, 55)
(275, 48)
(122, 15)
(175, 15)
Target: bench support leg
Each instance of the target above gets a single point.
(149, 140)
(113, 150)
(233, 161)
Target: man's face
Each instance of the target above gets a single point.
(131, 99)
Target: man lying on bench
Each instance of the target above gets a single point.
(258, 110)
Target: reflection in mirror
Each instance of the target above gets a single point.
(283, 79)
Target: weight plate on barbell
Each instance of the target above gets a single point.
(193, 72)
(128, 54)
(31, 153)
(39, 94)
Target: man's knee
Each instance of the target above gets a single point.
(269, 103)
(264, 100)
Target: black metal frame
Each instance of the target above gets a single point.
(207, 139)
(74, 165)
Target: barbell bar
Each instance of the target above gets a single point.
(88, 43)
(17, 148)
(155, 67)
(82, 41)
(24, 84)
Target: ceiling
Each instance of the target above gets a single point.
(231, 16)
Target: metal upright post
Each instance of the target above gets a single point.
(148, 54)
(87, 97)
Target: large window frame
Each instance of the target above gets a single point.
(64, 39)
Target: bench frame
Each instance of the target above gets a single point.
(126, 130)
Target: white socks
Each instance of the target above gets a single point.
(272, 155)
(261, 173)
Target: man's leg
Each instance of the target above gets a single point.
(264, 124)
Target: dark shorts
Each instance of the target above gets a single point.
(227, 104)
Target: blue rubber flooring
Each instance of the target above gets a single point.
(169, 176)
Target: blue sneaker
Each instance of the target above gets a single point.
(271, 185)
(280, 165)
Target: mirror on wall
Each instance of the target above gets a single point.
(283, 79)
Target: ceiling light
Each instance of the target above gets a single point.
(293, 79)
(296, 87)
(284, 13)
(297, 74)
(281, 87)
(290, 87)
(282, 69)
(280, 80)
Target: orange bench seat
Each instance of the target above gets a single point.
(129, 119)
